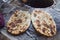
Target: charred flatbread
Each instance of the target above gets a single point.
(43, 22)
(18, 22)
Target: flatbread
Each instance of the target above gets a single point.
(18, 22)
(43, 22)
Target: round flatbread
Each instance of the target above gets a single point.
(18, 22)
(43, 22)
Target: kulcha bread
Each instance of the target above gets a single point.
(18, 22)
(43, 22)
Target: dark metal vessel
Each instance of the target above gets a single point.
(38, 3)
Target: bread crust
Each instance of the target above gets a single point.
(43, 22)
(19, 22)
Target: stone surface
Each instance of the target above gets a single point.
(2, 37)
(31, 34)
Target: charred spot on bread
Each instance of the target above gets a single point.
(12, 24)
(19, 21)
(35, 15)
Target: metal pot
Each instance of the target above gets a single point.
(38, 3)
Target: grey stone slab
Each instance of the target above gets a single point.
(31, 34)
